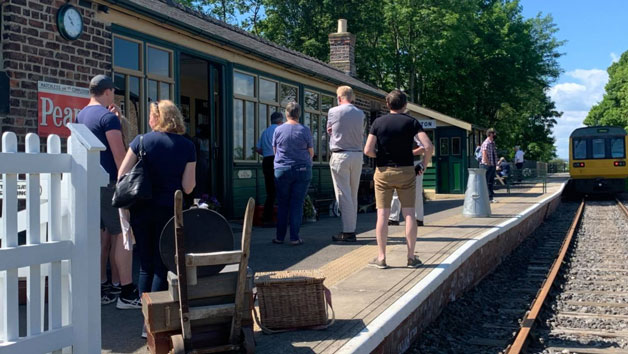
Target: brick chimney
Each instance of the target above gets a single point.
(342, 49)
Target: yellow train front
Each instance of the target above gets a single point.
(597, 160)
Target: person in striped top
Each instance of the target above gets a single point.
(489, 161)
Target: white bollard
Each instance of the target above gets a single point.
(476, 202)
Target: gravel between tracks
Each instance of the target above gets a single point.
(588, 308)
(486, 318)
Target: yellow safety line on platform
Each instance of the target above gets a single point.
(342, 267)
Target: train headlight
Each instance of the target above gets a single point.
(578, 164)
(619, 163)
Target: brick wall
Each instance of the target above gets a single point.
(33, 50)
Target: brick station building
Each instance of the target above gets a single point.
(226, 81)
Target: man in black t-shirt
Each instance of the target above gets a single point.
(390, 143)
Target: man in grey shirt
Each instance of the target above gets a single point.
(345, 125)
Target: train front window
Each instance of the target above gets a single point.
(598, 148)
(618, 150)
(579, 149)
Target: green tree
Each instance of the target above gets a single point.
(613, 109)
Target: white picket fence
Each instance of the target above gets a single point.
(62, 244)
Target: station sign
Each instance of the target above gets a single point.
(21, 188)
(428, 123)
(58, 105)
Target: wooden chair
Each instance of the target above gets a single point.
(186, 272)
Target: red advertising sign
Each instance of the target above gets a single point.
(57, 106)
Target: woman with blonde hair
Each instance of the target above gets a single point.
(169, 161)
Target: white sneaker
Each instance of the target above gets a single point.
(494, 201)
(128, 304)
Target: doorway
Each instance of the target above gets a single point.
(201, 102)
(450, 152)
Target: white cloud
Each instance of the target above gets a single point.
(614, 57)
(575, 98)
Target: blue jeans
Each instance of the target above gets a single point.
(490, 179)
(291, 184)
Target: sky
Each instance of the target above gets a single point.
(595, 32)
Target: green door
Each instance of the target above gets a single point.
(450, 152)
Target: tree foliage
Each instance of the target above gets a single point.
(613, 109)
(477, 60)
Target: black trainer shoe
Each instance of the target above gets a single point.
(414, 262)
(115, 289)
(106, 297)
(133, 302)
(344, 236)
(393, 222)
(419, 223)
(129, 304)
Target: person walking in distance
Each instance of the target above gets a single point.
(395, 207)
(489, 161)
(390, 143)
(102, 117)
(519, 161)
(264, 147)
(345, 126)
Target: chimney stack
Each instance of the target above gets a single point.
(342, 49)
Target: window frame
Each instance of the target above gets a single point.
(156, 77)
(440, 146)
(459, 146)
(321, 129)
(623, 144)
(121, 69)
(573, 148)
(127, 73)
(257, 101)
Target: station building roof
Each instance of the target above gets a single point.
(196, 22)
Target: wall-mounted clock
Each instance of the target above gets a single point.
(69, 22)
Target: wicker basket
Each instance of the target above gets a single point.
(292, 299)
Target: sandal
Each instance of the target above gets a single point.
(277, 241)
(297, 242)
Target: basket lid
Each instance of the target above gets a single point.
(289, 276)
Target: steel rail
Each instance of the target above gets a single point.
(532, 315)
(622, 206)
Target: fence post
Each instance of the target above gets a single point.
(54, 234)
(34, 306)
(87, 178)
(9, 330)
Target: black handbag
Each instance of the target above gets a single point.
(134, 185)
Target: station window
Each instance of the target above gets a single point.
(598, 148)
(256, 98)
(444, 146)
(455, 146)
(618, 150)
(132, 76)
(579, 149)
(128, 80)
(315, 117)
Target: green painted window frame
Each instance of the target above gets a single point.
(257, 101)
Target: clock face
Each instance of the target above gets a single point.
(70, 22)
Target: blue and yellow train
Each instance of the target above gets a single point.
(597, 160)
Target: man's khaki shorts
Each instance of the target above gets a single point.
(387, 179)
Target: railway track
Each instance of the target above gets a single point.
(586, 309)
(589, 311)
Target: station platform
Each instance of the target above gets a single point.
(381, 311)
